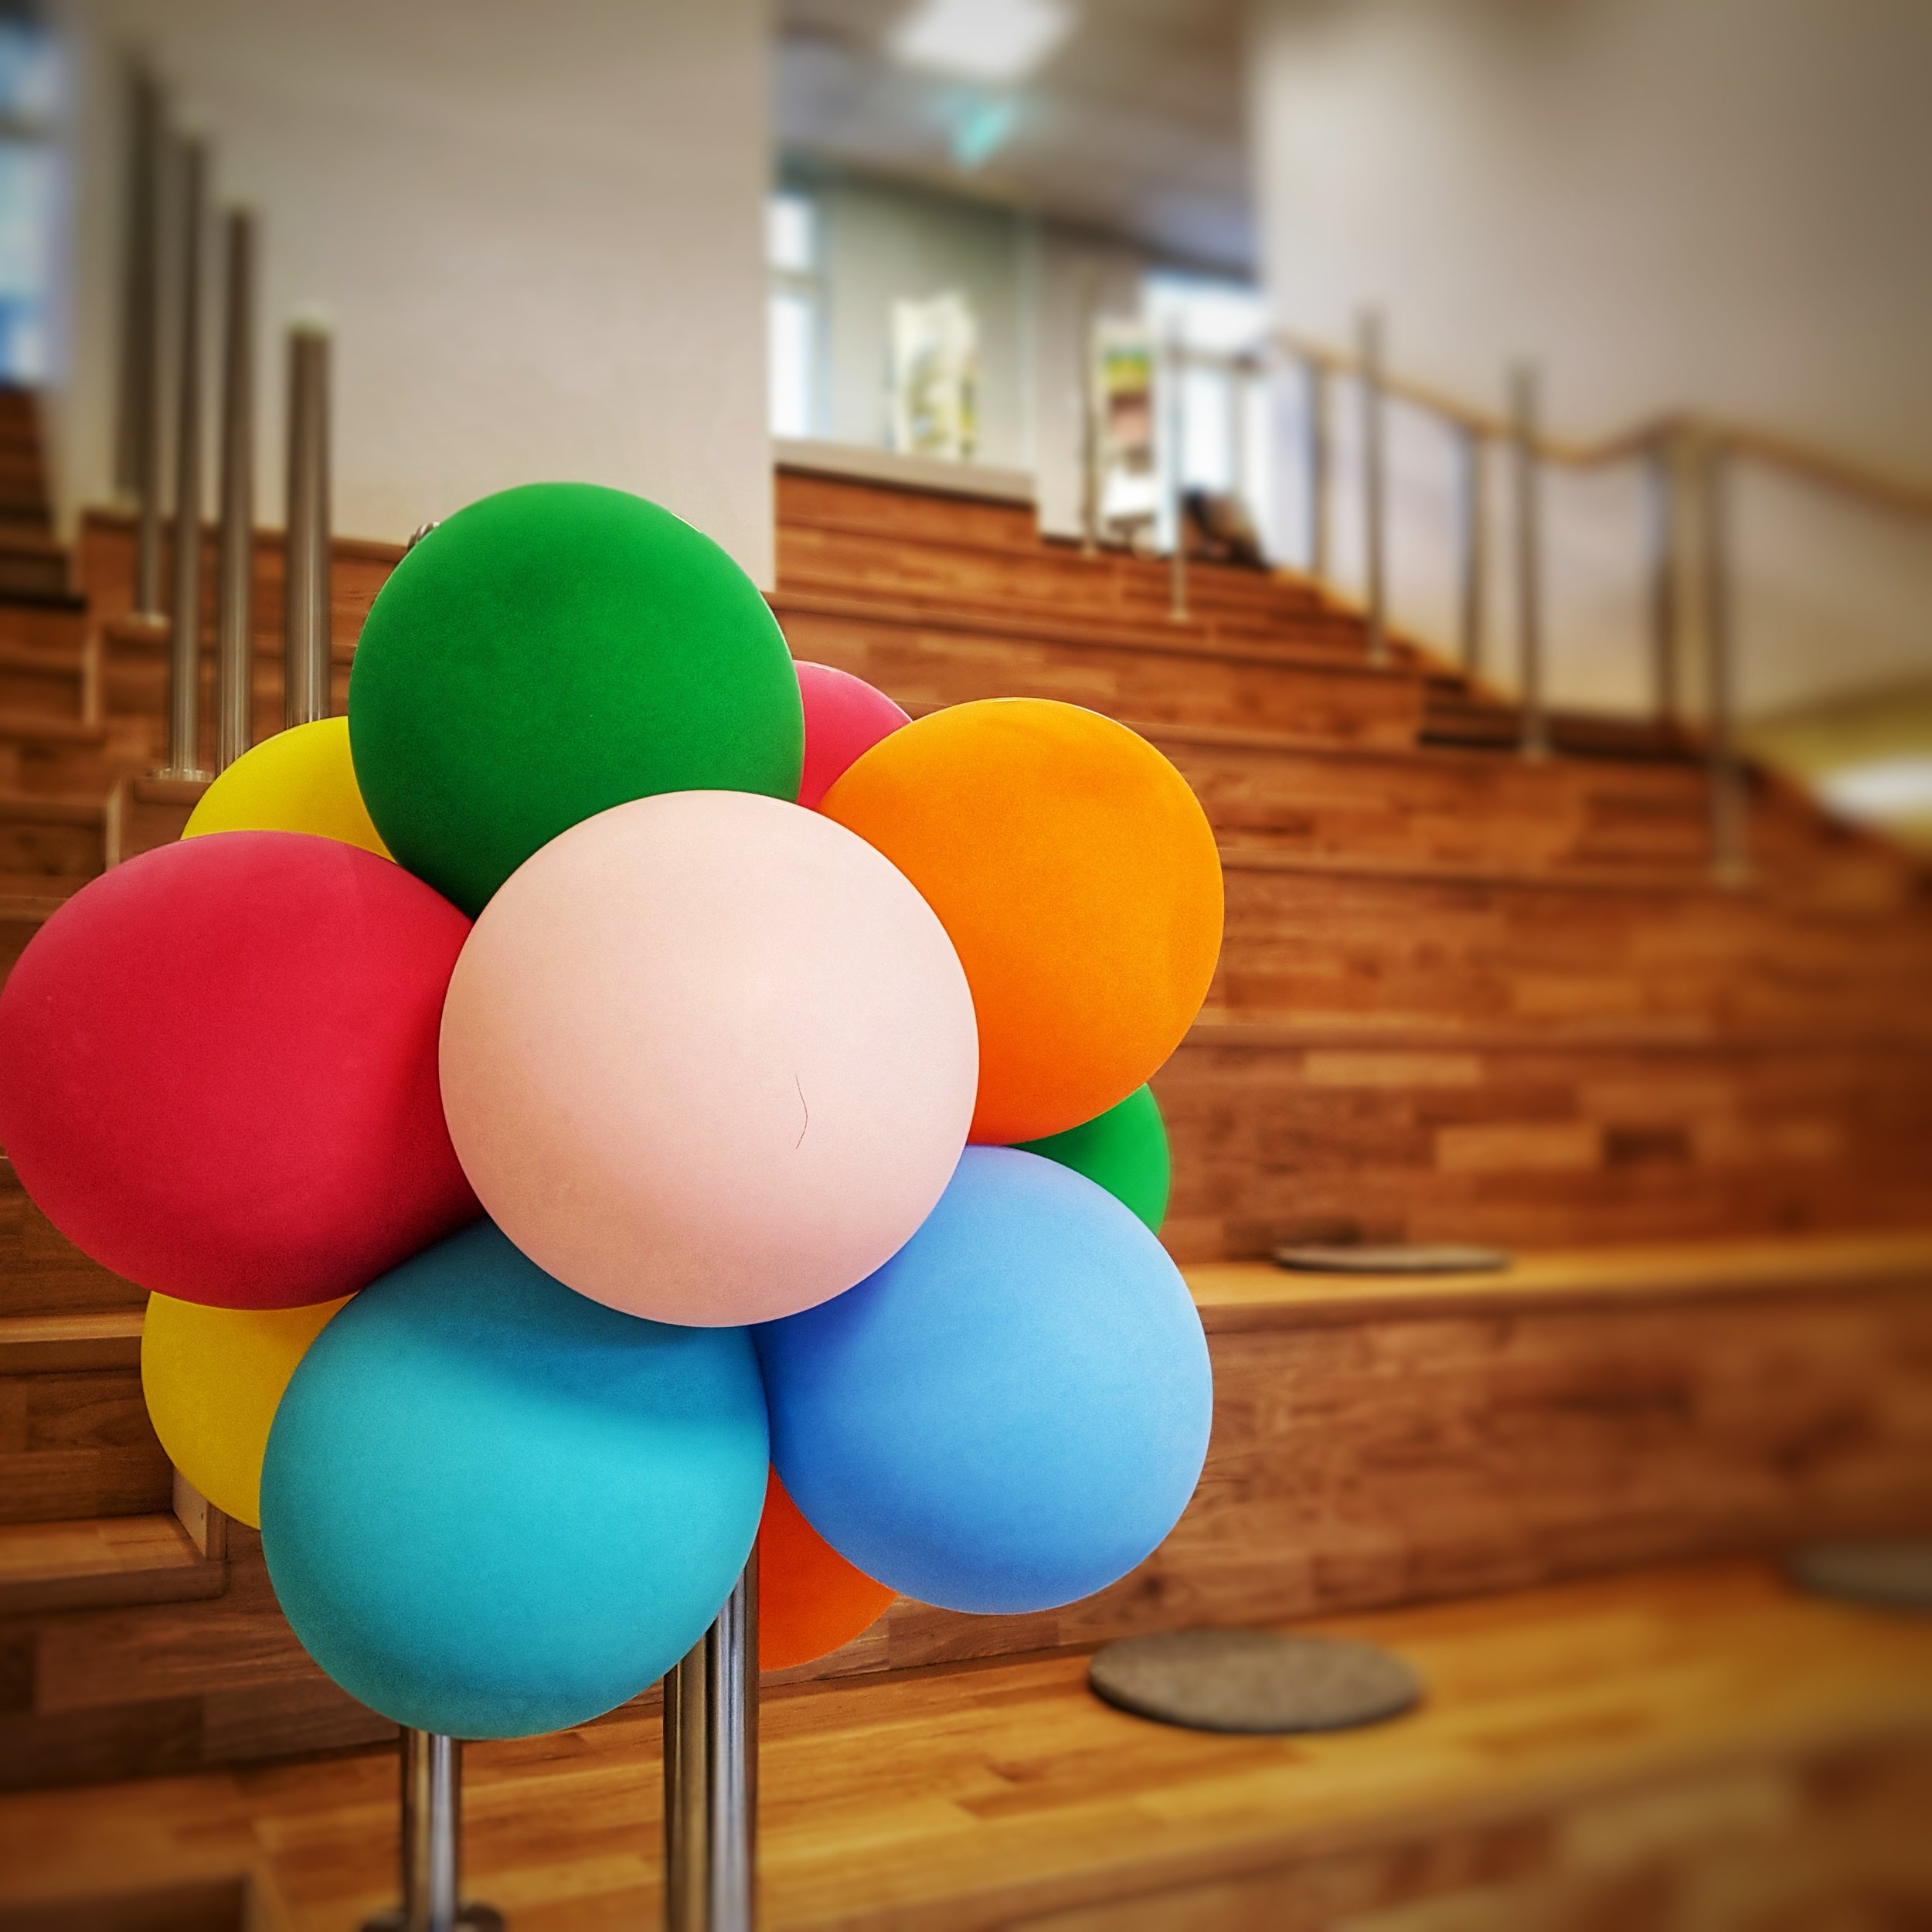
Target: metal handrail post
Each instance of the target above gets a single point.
(234, 604)
(1177, 444)
(1662, 486)
(140, 281)
(1090, 415)
(1472, 614)
(306, 619)
(711, 1772)
(184, 654)
(1533, 739)
(1314, 463)
(1375, 558)
(154, 153)
(1729, 831)
(1237, 433)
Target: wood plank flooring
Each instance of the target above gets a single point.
(1693, 1750)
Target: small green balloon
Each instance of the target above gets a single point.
(547, 653)
(1123, 1150)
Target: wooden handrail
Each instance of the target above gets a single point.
(1891, 494)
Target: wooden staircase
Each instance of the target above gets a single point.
(1464, 996)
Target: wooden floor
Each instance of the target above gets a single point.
(1691, 1747)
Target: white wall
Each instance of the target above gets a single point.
(881, 242)
(536, 230)
(1032, 283)
(1719, 204)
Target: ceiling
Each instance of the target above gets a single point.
(1133, 125)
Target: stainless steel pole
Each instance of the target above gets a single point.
(156, 147)
(1472, 550)
(1237, 433)
(711, 1772)
(431, 1766)
(235, 574)
(1729, 846)
(1314, 463)
(1533, 739)
(306, 624)
(1666, 573)
(432, 1830)
(184, 658)
(1177, 458)
(1090, 415)
(140, 250)
(1375, 561)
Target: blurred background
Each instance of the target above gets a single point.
(982, 227)
(1484, 445)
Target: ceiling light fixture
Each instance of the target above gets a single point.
(990, 40)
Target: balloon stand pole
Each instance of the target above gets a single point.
(432, 1767)
(711, 1772)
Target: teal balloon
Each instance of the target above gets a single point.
(1123, 1150)
(493, 1508)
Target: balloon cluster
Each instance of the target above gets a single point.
(618, 1088)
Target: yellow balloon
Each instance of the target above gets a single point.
(212, 1377)
(301, 779)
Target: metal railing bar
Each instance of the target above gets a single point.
(235, 570)
(307, 624)
(1533, 729)
(184, 656)
(1728, 801)
(150, 347)
(1175, 370)
(1472, 613)
(1314, 456)
(1374, 509)
(1897, 495)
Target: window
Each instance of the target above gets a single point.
(791, 261)
(1222, 415)
(28, 83)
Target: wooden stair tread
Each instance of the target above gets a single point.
(15, 723)
(1402, 1031)
(1030, 622)
(1007, 1795)
(1693, 878)
(15, 656)
(101, 1560)
(31, 899)
(42, 600)
(51, 1344)
(1240, 1294)
(1326, 642)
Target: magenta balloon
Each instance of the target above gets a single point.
(844, 716)
(708, 1058)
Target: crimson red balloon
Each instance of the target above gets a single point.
(844, 716)
(218, 1069)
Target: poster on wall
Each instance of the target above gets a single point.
(935, 377)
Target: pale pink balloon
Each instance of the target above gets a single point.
(844, 717)
(708, 1058)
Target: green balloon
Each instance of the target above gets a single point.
(547, 653)
(1123, 1150)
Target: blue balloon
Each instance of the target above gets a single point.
(491, 1507)
(1013, 1411)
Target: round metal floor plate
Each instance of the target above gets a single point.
(1430, 1258)
(1894, 1575)
(1253, 1680)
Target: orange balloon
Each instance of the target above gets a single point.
(1077, 877)
(810, 1599)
